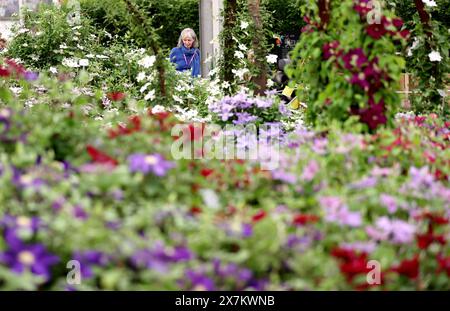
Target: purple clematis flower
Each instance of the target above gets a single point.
(20, 257)
(199, 281)
(31, 76)
(154, 163)
(90, 258)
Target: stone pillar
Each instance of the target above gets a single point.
(210, 28)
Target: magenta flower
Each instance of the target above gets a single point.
(376, 31)
(355, 59)
(374, 115)
(330, 49)
(363, 7)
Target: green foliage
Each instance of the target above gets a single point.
(47, 37)
(431, 77)
(329, 80)
(168, 17)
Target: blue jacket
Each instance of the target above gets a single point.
(186, 59)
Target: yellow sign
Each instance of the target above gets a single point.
(288, 91)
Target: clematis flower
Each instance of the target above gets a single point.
(435, 56)
(154, 163)
(355, 59)
(408, 267)
(88, 259)
(330, 49)
(376, 31)
(35, 257)
(374, 115)
(116, 96)
(100, 157)
(199, 281)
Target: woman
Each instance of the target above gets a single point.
(186, 55)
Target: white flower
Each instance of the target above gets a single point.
(23, 30)
(90, 56)
(144, 87)
(70, 62)
(272, 58)
(101, 56)
(158, 109)
(442, 93)
(84, 62)
(240, 73)
(430, 3)
(140, 76)
(177, 99)
(270, 83)
(239, 54)
(63, 46)
(80, 47)
(53, 70)
(150, 95)
(242, 47)
(147, 61)
(244, 24)
(435, 56)
(225, 84)
(210, 198)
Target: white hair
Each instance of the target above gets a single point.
(188, 32)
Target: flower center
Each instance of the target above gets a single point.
(26, 179)
(151, 160)
(200, 287)
(27, 258)
(23, 221)
(5, 113)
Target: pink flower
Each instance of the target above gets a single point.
(310, 170)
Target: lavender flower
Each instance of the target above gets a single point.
(337, 212)
(154, 163)
(398, 231)
(389, 202)
(310, 170)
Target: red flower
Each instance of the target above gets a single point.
(398, 23)
(409, 268)
(303, 219)
(405, 33)
(355, 267)
(444, 264)
(100, 157)
(195, 210)
(116, 96)
(425, 240)
(4, 72)
(376, 31)
(347, 254)
(196, 131)
(353, 263)
(259, 216)
(206, 172)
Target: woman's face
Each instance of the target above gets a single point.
(188, 42)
